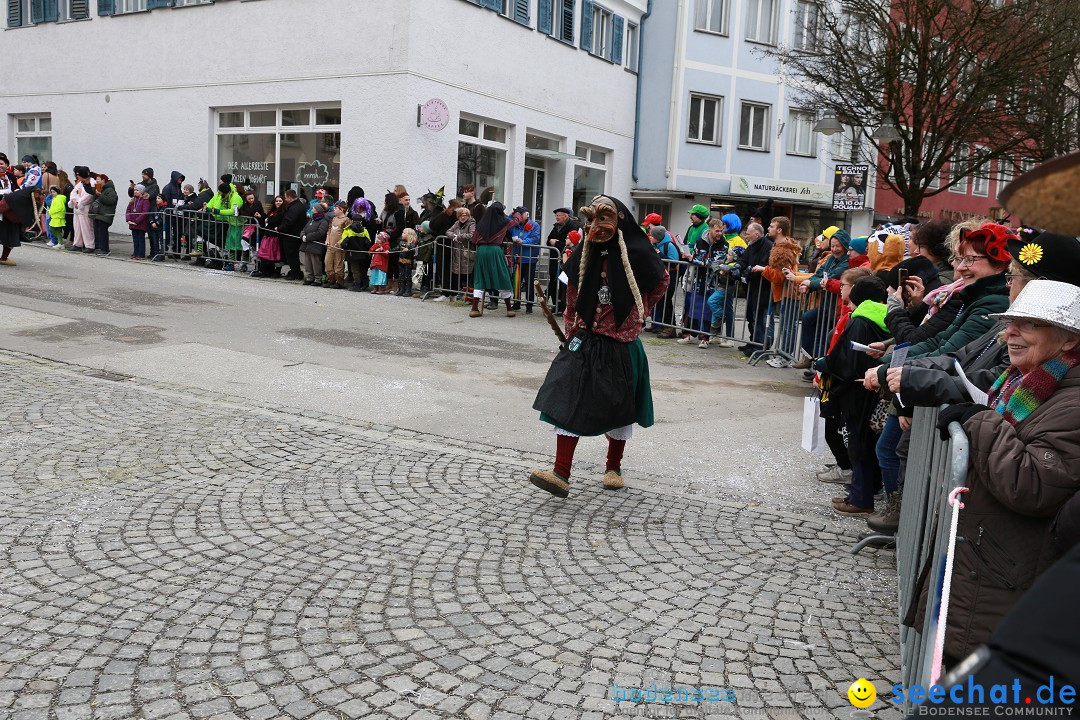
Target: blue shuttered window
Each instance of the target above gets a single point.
(37, 11)
(521, 11)
(617, 24)
(51, 11)
(566, 21)
(495, 5)
(14, 13)
(80, 9)
(543, 16)
(586, 24)
(154, 4)
(105, 7)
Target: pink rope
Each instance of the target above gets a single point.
(943, 613)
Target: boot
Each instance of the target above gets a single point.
(509, 309)
(887, 521)
(476, 310)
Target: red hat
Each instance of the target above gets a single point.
(653, 219)
(994, 238)
(574, 237)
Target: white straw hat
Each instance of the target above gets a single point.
(1047, 301)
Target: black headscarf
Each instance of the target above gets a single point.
(644, 262)
(917, 266)
(354, 192)
(493, 222)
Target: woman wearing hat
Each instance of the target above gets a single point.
(1025, 447)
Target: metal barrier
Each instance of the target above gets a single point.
(934, 468)
(803, 324)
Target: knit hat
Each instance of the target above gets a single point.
(574, 237)
(700, 210)
(149, 172)
(858, 245)
(840, 235)
(830, 231)
(653, 219)
(659, 232)
(868, 288)
(28, 158)
(140, 188)
(732, 223)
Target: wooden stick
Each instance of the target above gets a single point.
(542, 301)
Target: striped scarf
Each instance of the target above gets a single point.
(1015, 395)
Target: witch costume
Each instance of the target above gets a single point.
(490, 271)
(598, 384)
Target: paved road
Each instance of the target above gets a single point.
(195, 542)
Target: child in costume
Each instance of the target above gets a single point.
(598, 384)
(380, 261)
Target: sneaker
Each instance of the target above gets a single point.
(724, 343)
(685, 340)
(441, 298)
(834, 475)
(704, 344)
(778, 362)
(887, 521)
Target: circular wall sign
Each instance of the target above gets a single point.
(434, 114)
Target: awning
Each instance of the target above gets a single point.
(549, 154)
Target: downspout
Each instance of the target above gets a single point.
(676, 90)
(637, 96)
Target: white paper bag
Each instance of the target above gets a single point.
(813, 426)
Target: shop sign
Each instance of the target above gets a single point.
(779, 189)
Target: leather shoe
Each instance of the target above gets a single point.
(848, 509)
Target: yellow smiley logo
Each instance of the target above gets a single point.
(862, 693)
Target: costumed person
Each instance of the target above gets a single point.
(598, 384)
(22, 212)
(490, 271)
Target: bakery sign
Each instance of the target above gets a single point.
(780, 189)
(434, 115)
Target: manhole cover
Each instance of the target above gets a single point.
(106, 375)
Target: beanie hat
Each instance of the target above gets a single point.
(732, 223)
(868, 288)
(574, 237)
(653, 219)
(659, 232)
(858, 245)
(28, 158)
(841, 236)
(149, 172)
(140, 188)
(700, 210)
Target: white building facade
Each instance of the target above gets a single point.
(532, 97)
(720, 126)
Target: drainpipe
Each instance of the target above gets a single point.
(637, 96)
(676, 90)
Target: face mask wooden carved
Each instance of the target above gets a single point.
(601, 220)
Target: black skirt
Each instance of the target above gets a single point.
(592, 387)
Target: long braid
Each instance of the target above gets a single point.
(630, 278)
(583, 262)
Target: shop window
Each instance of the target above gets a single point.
(590, 175)
(482, 156)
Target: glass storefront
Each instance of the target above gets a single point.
(274, 149)
(481, 156)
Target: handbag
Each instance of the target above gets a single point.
(813, 426)
(879, 415)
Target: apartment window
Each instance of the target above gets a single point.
(482, 155)
(1006, 167)
(590, 174)
(807, 25)
(187, 3)
(33, 136)
(704, 119)
(980, 179)
(632, 47)
(712, 16)
(1026, 165)
(800, 133)
(128, 6)
(846, 145)
(73, 10)
(556, 18)
(753, 127)
(601, 32)
(856, 29)
(935, 182)
(272, 149)
(761, 21)
(958, 168)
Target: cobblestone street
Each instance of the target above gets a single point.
(170, 553)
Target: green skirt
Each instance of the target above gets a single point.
(234, 240)
(596, 395)
(490, 272)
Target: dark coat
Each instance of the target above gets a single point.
(559, 233)
(313, 236)
(1020, 478)
(932, 381)
(104, 204)
(756, 253)
(293, 219)
(173, 190)
(842, 371)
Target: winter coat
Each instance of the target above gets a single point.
(559, 233)
(902, 325)
(843, 368)
(380, 258)
(461, 258)
(152, 188)
(1019, 478)
(932, 381)
(393, 223)
(356, 240)
(225, 207)
(57, 212)
(105, 203)
(757, 253)
(138, 214)
(293, 219)
(529, 235)
(173, 192)
(313, 236)
(833, 267)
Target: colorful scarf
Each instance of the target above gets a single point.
(935, 299)
(1015, 395)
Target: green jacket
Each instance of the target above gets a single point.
(227, 207)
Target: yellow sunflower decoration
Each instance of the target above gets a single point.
(1031, 254)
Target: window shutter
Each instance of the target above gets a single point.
(586, 24)
(14, 13)
(495, 5)
(154, 4)
(37, 11)
(80, 9)
(566, 31)
(521, 11)
(543, 16)
(616, 39)
(51, 11)
(105, 7)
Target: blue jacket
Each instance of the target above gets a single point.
(666, 248)
(529, 234)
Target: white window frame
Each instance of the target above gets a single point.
(125, 7)
(35, 132)
(192, 3)
(587, 155)
(602, 31)
(766, 110)
(717, 118)
(705, 17)
(558, 26)
(980, 181)
(856, 30)
(754, 21)
(1026, 165)
(802, 38)
(1006, 170)
(632, 43)
(801, 125)
(959, 157)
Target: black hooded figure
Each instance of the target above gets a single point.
(490, 272)
(598, 384)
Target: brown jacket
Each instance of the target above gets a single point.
(785, 254)
(1019, 478)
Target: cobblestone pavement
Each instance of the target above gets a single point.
(167, 553)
